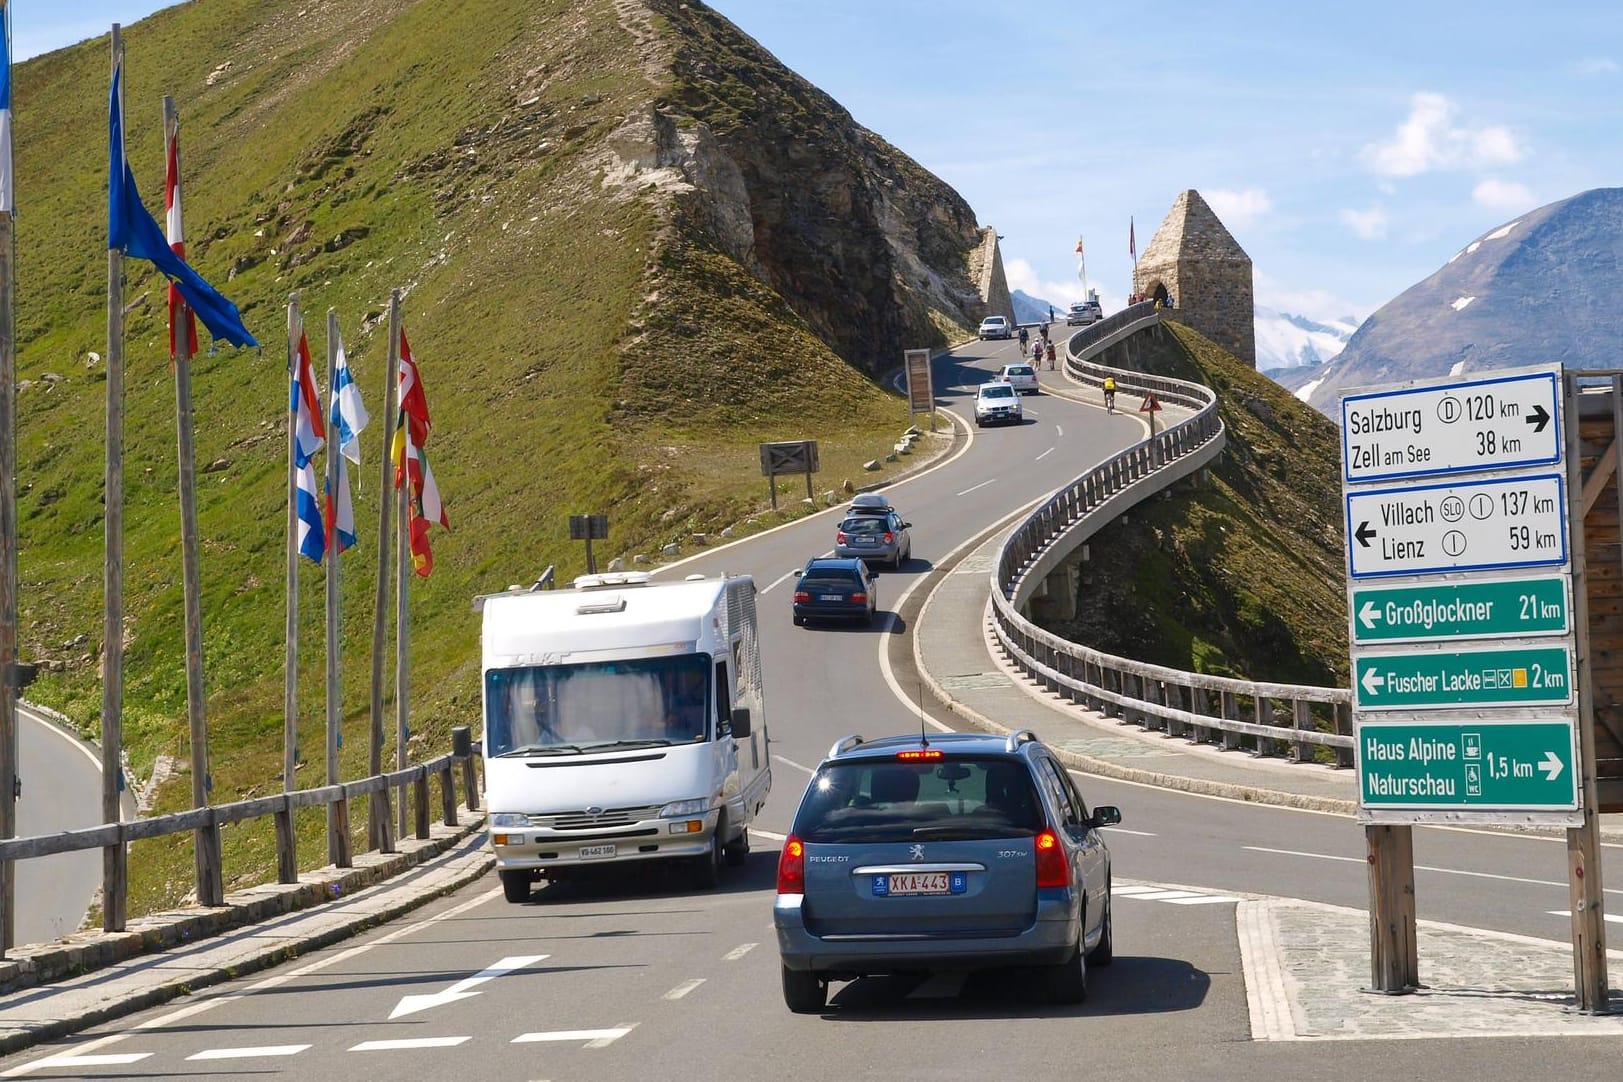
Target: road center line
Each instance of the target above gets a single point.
(111, 1059)
(768, 834)
(249, 1053)
(1124, 830)
(792, 763)
(1424, 868)
(410, 1042)
(684, 988)
(1044, 455)
(983, 484)
(738, 952)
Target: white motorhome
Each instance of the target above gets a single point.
(623, 722)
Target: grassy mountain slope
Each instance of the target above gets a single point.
(586, 345)
(1241, 576)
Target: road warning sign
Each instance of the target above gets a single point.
(1150, 405)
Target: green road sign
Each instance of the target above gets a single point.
(1492, 608)
(1515, 765)
(1517, 676)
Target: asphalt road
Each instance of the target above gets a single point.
(61, 791)
(638, 977)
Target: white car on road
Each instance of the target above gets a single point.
(1022, 377)
(996, 327)
(997, 404)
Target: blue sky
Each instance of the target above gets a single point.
(1351, 149)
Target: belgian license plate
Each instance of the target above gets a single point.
(915, 883)
(590, 852)
(831, 597)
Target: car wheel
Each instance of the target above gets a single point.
(1104, 951)
(800, 621)
(804, 992)
(515, 886)
(1068, 981)
(707, 869)
(737, 851)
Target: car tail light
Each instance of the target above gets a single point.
(921, 754)
(792, 867)
(801, 597)
(839, 537)
(890, 538)
(1052, 870)
(859, 599)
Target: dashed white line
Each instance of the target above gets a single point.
(972, 488)
(792, 763)
(1124, 830)
(1060, 429)
(409, 1043)
(684, 988)
(1613, 918)
(1426, 868)
(738, 952)
(249, 1053)
(1044, 455)
(106, 1059)
(769, 834)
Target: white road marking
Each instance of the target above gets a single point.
(684, 988)
(1427, 868)
(410, 1042)
(792, 763)
(1060, 429)
(1044, 455)
(738, 952)
(249, 1053)
(773, 836)
(53, 727)
(111, 1059)
(972, 488)
(595, 1038)
(1149, 893)
(463, 989)
(1124, 830)
(1613, 918)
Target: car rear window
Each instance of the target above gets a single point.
(863, 525)
(887, 800)
(1020, 370)
(829, 580)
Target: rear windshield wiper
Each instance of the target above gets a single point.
(541, 749)
(960, 833)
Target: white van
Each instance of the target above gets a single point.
(623, 722)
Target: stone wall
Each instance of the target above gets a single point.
(986, 271)
(1205, 272)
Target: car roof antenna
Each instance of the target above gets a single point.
(924, 741)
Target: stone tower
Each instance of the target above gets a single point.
(1196, 262)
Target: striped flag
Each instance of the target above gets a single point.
(423, 504)
(304, 403)
(1079, 244)
(178, 347)
(7, 204)
(347, 417)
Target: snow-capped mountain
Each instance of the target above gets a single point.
(1291, 341)
(1029, 309)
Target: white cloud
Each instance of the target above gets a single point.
(1319, 305)
(1240, 208)
(1429, 138)
(1597, 65)
(1367, 224)
(1503, 195)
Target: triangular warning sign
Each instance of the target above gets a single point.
(1149, 405)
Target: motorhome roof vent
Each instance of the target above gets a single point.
(694, 578)
(612, 578)
(607, 603)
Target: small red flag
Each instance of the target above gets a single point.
(1132, 241)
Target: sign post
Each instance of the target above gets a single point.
(920, 390)
(589, 528)
(796, 456)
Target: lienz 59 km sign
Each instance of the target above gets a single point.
(1491, 424)
(1494, 522)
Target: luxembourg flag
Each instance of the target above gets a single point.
(308, 436)
(6, 194)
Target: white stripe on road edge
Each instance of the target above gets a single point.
(769, 835)
(1124, 830)
(1615, 918)
(111, 1059)
(1044, 455)
(410, 1042)
(595, 1038)
(684, 988)
(983, 484)
(738, 952)
(1426, 868)
(791, 762)
(249, 1053)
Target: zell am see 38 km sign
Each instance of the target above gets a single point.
(1496, 522)
(1503, 423)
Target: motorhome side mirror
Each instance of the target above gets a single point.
(741, 722)
(1106, 815)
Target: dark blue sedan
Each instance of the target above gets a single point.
(834, 589)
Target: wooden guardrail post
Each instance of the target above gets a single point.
(1231, 712)
(384, 826)
(1301, 718)
(448, 794)
(343, 853)
(287, 844)
(419, 802)
(462, 748)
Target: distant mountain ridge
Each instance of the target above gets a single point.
(1029, 309)
(1540, 288)
(1288, 341)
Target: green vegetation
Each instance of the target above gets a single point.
(1239, 576)
(582, 349)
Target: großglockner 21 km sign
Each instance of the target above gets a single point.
(1505, 422)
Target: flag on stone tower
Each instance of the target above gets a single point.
(182, 342)
(1132, 241)
(304, 404)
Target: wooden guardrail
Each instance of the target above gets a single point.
(1263, 717)
(210, 819)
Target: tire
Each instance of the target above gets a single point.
(736, 852)
(707, 869)
(1068, 981)
(804, 992)
(516, 886)
(1104, 951)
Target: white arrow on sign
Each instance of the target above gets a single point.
(1552, 766)
(1372, 681)
(1369, 614)
(460, 990)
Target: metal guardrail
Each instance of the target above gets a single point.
(282, 806)
(1205, 708)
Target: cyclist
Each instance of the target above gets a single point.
(1024, 337)
(1110, 394)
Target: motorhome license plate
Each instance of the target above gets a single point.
(905, 883)
(588, 852)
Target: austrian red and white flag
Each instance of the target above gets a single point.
(179, 345)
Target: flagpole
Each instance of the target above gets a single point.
(377, 824)
(336, 843)
(210, 890)
(290, 678)
(402, 637)
(8, 526)
(115, 857)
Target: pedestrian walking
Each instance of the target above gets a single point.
(1050, 352)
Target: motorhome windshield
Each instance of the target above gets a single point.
(571, 709)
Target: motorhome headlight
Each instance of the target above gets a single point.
(679, 808)
(509, 819)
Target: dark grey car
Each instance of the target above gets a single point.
(876, 538)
